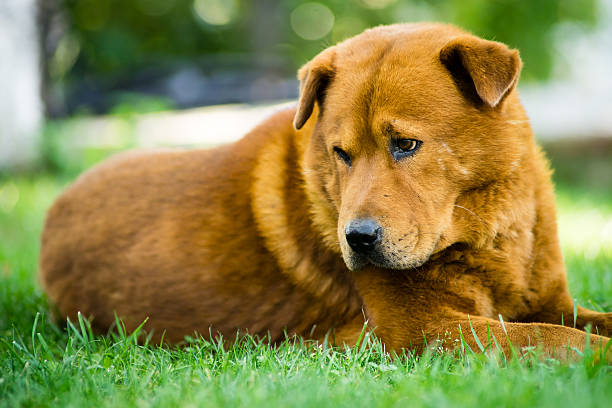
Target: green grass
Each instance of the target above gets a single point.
(42, 364)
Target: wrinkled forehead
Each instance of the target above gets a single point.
(392, 79)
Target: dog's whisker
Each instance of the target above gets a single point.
(471, 212)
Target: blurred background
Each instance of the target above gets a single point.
(82, 79)
(99, 60)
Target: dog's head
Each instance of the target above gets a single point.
(408, 120)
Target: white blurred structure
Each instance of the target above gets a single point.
(20, 100)
(577, 102)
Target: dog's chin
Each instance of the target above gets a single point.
(355, 262)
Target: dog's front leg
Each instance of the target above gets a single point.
(482, 333)
(601, 323)
(561, 311)
(407, 314)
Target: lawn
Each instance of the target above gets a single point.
(42, 364)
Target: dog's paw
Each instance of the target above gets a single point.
(602, 325)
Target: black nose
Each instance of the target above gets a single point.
(362, 234)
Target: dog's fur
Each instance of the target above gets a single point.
(251, 235)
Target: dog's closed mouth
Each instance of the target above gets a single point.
(396, 261)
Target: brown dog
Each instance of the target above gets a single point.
(411, 195)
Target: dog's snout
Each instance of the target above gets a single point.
(362, 235)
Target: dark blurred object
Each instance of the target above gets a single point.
(584, 163)
(196, 52)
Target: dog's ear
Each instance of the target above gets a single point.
(314, 78)
(488, 67)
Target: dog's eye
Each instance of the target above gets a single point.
(343, 155)
(407, 145)
(401, 148)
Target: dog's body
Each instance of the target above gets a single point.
(179, 243)
(414, 198)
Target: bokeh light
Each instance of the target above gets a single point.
(312, 21)
(65, 56)
(216, 12)
(591, 231)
